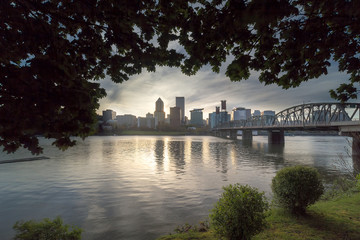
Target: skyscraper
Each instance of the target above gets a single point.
(175, 116)
(159, 113)
(180, 102)
(197, 117)
(159, 105)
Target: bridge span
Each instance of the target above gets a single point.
(341, 117)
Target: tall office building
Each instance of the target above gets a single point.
(180, 102)
(159, 105)
(197, 117)
(159, 113)
(240, 113)
(175, 116)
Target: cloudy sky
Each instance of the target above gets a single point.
(206, 89)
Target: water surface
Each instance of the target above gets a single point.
(141, 187)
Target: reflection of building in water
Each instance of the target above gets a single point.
(177, 154)
(196, 151)
(220, 153)
(159, 154)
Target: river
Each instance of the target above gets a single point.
(142, 187)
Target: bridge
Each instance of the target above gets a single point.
(341, 117)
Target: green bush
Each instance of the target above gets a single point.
(45, 230)
(297, 187)
(239, 213)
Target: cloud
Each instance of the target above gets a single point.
(206, 89)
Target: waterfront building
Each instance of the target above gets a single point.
(196, 117)
(180, 102)
(127, 120)
(218, 118)
(256, 113)
(150, 120)
(141, 122)
(268, 116)
(175, 116)
(159, 113)
(108, 114)
(240, 114)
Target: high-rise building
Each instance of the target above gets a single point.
(159, 113)
(197, 117)
(175, 116)
(218, 118)
(240, 113)
(109, 114)
(180, 102)
(268, 116)
(159, 105)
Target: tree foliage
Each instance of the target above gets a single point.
(54, 51)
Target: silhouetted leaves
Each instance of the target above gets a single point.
(52, 52)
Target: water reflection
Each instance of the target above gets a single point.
(142, 187)
(220, 155)
(197, 151)
(159, 154)
(176, 151)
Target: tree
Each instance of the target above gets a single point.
(52, 52)
(288, 41)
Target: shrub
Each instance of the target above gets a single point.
(297, 187)
(45, 230)
(239, 213)
(358, 181)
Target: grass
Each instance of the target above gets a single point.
(334, 219)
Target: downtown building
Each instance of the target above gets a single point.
(180, 103)
(159, 113)
(219, 118)
(175, 117)
(108, 114)
(196, 117)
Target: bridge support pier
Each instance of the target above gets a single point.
(233, 134)
(354, 132)
(247, 135)
(276, 136)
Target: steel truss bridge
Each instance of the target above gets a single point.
(341, 117)
(310, 116)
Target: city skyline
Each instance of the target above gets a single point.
(206, 89)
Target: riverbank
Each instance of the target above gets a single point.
(338, 218)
